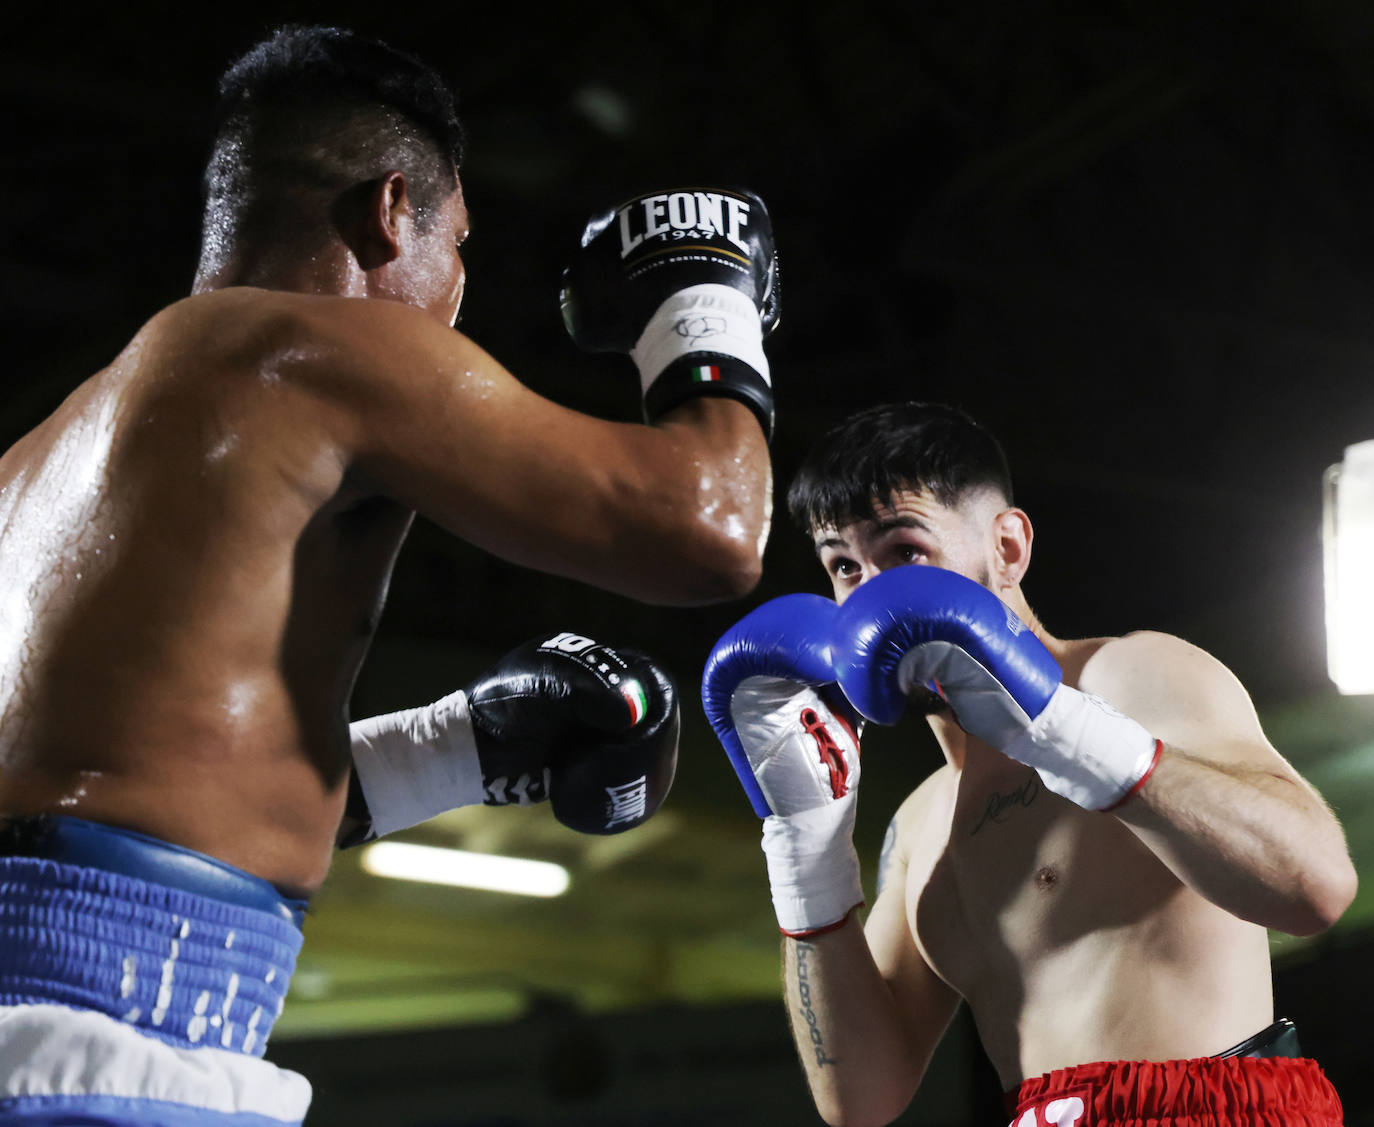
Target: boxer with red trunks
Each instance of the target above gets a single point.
(1263, 1082)
(1094, 867)
(195, 548)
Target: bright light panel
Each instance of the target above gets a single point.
(406, 861)
(1348, 551)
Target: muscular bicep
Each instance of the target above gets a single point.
(437, 424)
(1224, 811)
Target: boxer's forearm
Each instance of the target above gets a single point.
(719, 469)
(849, 1035)
(1263, 846)
(675, 513)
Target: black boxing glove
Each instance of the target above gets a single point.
(686, 283)
(591, 728)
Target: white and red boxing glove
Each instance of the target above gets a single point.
(768, 691)
(921, 625)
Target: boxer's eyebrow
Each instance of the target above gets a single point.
(880, 528)
(883, 526)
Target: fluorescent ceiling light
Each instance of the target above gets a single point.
(406, 861)
(1348, 542)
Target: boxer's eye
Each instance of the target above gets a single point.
(842, 568)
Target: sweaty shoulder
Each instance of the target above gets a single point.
(202, 401)
(379, 338)
(358, 361)
(314, 333)
(242, 320)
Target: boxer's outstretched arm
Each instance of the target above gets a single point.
(867, 1013)
(674, 513)
(1223, 809)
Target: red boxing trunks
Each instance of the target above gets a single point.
(1206, 1092)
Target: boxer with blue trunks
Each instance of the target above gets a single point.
(196, 545)
(139, 982)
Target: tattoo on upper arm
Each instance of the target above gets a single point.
(885, 857)
(804, 951)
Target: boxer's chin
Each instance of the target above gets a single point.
(925, 702)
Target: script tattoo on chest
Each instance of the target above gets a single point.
(1000, 806)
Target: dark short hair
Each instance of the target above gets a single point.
(311, 111)
(868, 457)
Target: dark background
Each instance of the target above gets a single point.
(1133, 238)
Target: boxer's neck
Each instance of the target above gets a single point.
(331, 270)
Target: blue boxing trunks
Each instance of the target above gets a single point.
(138, 983)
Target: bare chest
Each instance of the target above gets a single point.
(1018, 877)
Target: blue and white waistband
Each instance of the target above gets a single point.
(161, 955)
(64, 1066)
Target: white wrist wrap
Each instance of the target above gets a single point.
(707, 318)
(1085, 750)
(417, 763)
(813, 869)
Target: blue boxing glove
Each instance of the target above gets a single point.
(765, 691)
(924, 626)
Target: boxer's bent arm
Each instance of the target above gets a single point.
(1223, 809)
(672, 513)
(867, 1012)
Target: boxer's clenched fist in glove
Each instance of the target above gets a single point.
(768, 691)
(909, 627)
(590, 727)
(686, 283)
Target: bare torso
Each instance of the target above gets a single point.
(188, 584)
(1068, 938)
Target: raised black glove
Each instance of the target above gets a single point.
(685, 282)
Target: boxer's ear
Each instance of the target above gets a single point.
(387, 215)
(1011, 547)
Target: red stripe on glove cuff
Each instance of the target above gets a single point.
(1140, 782)
(827, 928)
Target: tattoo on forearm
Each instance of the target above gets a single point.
(804, 951)
(1000, 806)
